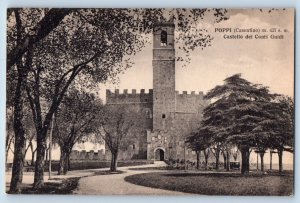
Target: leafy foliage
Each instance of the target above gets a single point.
(238, 108)
(118, 123)
(277, 128)
(248, 116)
(74, 118)
(74, 122)
(200, 140)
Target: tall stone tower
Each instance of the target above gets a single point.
(163, 74)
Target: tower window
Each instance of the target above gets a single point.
(148, 114)
(163, 115)
(163, 38)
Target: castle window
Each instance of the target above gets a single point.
(148, 114)
(163, 115)
(163, 38)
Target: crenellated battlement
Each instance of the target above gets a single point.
(189, 102)
(183, 93)
(129, 97)
(126, 92)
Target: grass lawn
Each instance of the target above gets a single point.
(64, 187)
(217, 183)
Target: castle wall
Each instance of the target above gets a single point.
(180, 124)
(135, 146)
(126, 98)
(189, 103)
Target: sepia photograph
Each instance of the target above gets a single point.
(150, 101)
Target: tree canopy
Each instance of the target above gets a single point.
(247, 115)
(74, 121)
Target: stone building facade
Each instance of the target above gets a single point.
(169, 116)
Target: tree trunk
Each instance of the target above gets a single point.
(63, 162)
(20, 140)
(198, 159)
(26, 150)
(225, 160)
(113, 164)
(280, 152)
(217, 158)
(271, 159)
(245, 160)
(228, 160)
(18, 162)
(262, 168)
(6, 154)
(32, 155)
(68, 161)
(39, 164)
(206, 154)
(235, 155)
(46, 154)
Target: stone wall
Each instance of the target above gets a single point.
(116, 97)
(163, 91)
(135, 146)
(189, 103)
(91, 155)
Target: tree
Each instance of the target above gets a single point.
(216, 150)
(99, 59)
(236, 112)
(117, 124)
(43, 27)
(29, 134)
(276, 130)
(10, 84)
(226, 154)
(199, 141)
(73, 122)
(262, 143)
(17, 170)
(286, 123)
(48, 41)
(206, 153)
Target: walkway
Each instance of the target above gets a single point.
(114, 184)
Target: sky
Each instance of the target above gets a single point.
(269, 62)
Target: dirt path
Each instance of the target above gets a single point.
(114, 184)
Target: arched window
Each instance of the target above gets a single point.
(163, 38)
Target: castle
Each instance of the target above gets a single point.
(169, 116)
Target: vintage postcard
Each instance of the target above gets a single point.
(150, 101)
